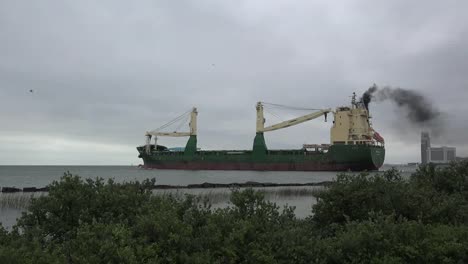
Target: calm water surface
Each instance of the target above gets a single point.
(39, 176)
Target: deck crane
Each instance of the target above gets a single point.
(192, 142)
(259, 146)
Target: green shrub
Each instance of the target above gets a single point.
(352, 197)
(430, 196)
(387, 239)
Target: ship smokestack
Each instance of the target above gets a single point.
(367, 96)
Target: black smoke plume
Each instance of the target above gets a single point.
(418, 109)
(367, 96)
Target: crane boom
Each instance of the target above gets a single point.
(169, 134)
(192, 125)
(297, 120)
(191, 134)
(287, 123)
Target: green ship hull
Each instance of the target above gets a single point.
(335, 158)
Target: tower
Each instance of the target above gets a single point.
(425, 145)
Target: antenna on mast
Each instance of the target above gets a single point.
(353, 99)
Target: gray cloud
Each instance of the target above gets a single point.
(105, 72)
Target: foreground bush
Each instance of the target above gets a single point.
(358, 219)
(429, 196)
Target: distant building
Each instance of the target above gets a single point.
(425, 144)
(435, 154)
(441, 154)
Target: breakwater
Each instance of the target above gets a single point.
(205, 185)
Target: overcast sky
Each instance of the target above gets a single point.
(104, 72)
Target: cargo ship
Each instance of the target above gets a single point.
(354, 146)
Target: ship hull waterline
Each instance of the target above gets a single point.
(258, 167)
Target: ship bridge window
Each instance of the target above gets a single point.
(339, 142)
